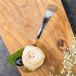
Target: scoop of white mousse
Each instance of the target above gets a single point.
(32, 57)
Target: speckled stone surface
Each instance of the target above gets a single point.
(5, 68)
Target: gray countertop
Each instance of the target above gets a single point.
(5, 68)
(70, 8)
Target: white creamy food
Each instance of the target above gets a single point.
(32, 57)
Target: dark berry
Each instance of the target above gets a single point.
(19, 61)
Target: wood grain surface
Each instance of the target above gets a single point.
(20, 21)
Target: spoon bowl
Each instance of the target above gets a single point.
(51, 9)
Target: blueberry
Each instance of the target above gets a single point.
(19, 61)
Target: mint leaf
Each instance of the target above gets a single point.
(12, 58)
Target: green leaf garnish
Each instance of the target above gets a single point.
(12, 58)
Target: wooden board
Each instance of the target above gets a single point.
(20, 21)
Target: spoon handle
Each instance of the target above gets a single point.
(49, 13)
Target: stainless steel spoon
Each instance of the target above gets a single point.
(49, 13)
